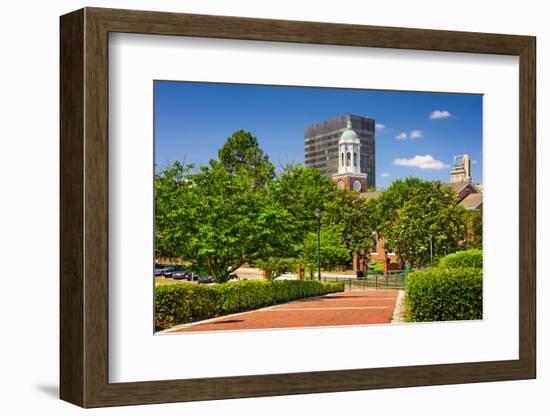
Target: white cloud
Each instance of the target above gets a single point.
(474, 161)
(412, 135)
(379, 126)
(439, 114)
(422, 162)
(401, 136)
(385, 175)
(416, 134)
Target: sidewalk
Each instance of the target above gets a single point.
(344, 308)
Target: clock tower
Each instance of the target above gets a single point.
(349, 174)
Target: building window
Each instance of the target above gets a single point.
(355, 159)
(348, 159)
(342, 158)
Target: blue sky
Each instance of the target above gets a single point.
(417, 134)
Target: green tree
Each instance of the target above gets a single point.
(395, 197)
(333, 251)
(431, 213)
(171, 187)
(242, 153)
(474, 235)
(299, 191)
(356, 218)
(217, 218)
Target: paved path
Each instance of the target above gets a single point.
(345, 308)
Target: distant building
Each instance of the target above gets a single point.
(349, 175)
(460, 171)
(470, 196)
(321, 145)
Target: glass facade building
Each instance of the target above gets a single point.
(321, 145)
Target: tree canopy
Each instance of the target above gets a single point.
(299, 191)
(333, 251)
(236, 211)
(431, 214)
(242, 152)
(355, 218)
(218, 218)
(394, 198)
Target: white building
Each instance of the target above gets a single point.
(349, 175)
(460, 171)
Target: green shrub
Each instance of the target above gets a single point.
(465, 258)
(445, 294)
(242, 296)
(183, 303)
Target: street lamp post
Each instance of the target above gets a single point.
(318, 216)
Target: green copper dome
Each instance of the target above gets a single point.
(349, 135)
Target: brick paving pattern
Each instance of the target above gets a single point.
(346, 308)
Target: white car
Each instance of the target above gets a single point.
(287, 276)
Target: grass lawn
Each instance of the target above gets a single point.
(163, 281)
(332, 272)
(373, 267)
(377, 267)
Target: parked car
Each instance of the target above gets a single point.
(162, 269)
(175, 269)
(204, 279)
(178, 272)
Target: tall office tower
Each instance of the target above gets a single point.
(460, 171)
(321, 145)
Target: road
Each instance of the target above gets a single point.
(345, 308)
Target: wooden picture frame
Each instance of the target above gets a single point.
(84, 207)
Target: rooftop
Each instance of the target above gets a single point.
(458, 186)
(472, 201)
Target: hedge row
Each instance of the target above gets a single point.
(184, 302)
(465, 258)
(445, 294)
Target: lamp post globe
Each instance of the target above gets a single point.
(317, 213)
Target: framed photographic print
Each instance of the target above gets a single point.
(255, 207)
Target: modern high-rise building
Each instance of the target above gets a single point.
(321, 145)
(460, 171)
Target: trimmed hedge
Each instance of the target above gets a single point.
(465, 258)
(247, 295)
(184, 302)
(445, 294)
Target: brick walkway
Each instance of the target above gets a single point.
(346, 308)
